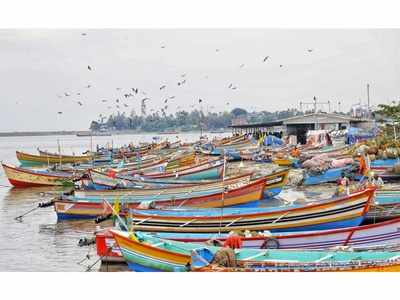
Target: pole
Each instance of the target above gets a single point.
(223, 194)
(368, 99)
(59, 150)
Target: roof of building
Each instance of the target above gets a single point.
(320, 118)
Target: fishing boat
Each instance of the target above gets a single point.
(380, 164)
(330, 175)
(381, 235)
(146, 253)
(386, 206)
(286, 162)
(22, 177)
(67, 208)
(206, 170)
(340, 212)
(27, 159)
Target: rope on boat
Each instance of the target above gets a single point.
(5, 186)
(89, 268)
(40, 205)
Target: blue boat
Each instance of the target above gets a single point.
(330, 175)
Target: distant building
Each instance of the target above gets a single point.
(239, 120)
(300, 125)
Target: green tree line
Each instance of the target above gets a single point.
(187, 121)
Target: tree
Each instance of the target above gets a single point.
(391, 111)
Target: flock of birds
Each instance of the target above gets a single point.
(134, 92)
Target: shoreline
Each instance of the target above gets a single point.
(74, 132)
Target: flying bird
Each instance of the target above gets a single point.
(80, 103)
(241, 66)
(265, 58)
(230, 86)
(126, 105)
(103, 100)
(144, 99)
(88, 86)
(200, 100)
(78, 94)
(172, 97)
(83, 33)
(135, 90)
(162, 47)
(60, 112)
(162, 87)
(216, 50)
(117, 100)
(89, 68)
(66, 94)
(280, 66)
(166, 100)
(310, 50)
(183, 75)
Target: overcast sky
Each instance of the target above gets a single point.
(37, 67)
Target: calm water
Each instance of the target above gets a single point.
(39, 242)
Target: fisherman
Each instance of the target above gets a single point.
(295, 152)
(233, 241)
(343, 186)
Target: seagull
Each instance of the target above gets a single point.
(162, 47)
(83, 33)
(230, 86)
(265, 58)
(280, 66)
(162, 87)
(89, 68)
(216, 50)
(200, 100)
(103, 100)
(66, 94)
(135, 90)
(88, 86)
(118, 89)
(183, 75)
(126, 105)
(310, 50)
(241, 66)
(166, 100)
(78, 94)
(234, 88)
(80, 103)
(172, 97)
(144, 99)
(60, 112)
(117, 100)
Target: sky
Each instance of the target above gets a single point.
(37, 68)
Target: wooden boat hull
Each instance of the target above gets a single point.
(330, 175)
(22, 178)
(27, 159)
(143, 253)
(338, 213)
(253, 191)
(361, 237)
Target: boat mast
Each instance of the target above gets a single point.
(223, 194)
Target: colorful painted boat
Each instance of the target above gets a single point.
(330, 175)
(286, 162)
(206, 170)
(143, 191)
(346, 211)
(383, 163)
(386, 205)
(22, 177)
(27, 159)
(251, 192)
(374, 236)
(145, 253)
